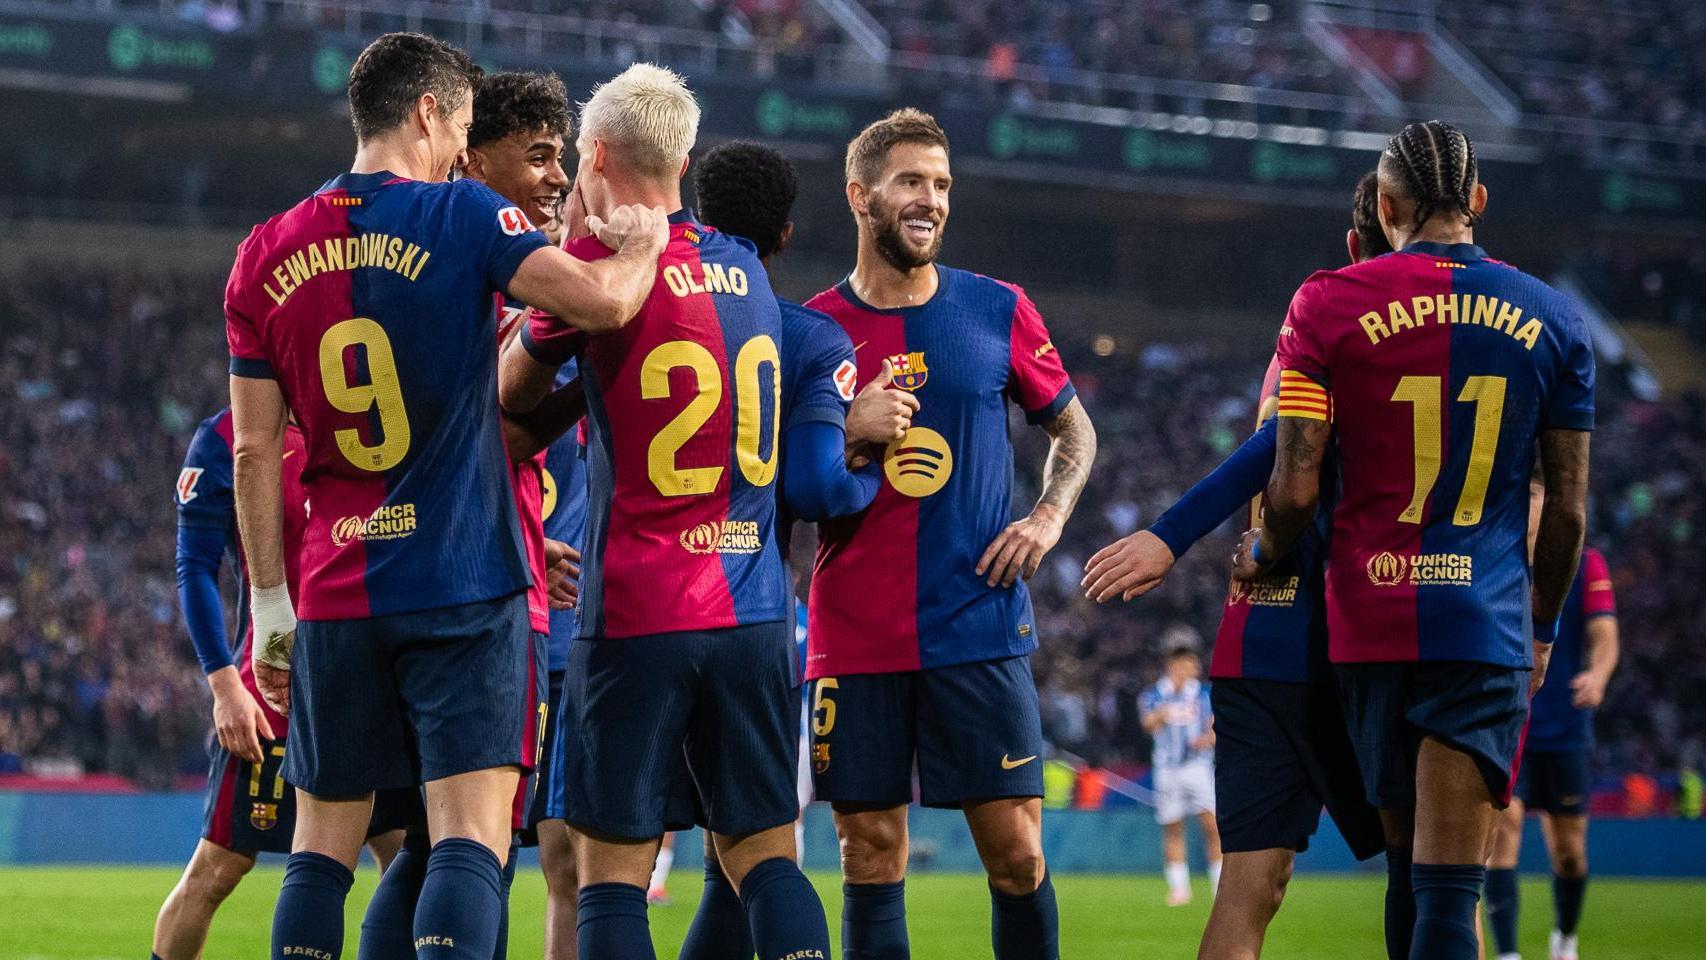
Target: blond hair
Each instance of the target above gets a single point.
(647, 114)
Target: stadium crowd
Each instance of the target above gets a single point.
(97, 675)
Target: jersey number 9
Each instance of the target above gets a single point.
(382, 392)
(667, 475)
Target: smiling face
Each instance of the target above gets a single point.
(526, 168)
(906, 208)
(446, 132)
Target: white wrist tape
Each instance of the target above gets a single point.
(275, 625)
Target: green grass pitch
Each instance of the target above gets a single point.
(97, 913)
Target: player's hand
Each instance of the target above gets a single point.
(632, 225)
(572, 213)
(1587, 690)
(1244, 565)
(1542, 657)
(274, 684)
(879, 414)
(1129, 567)
(562, 574)
(238, 720)
(1020, 548)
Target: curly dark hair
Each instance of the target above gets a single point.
(1365, 217)
(393, 73)
(514, 102)
(746, 189)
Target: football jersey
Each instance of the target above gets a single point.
(683, 443)
(1191, 717)
(895, 588)
(528, 481)
(1554, 722)
(1275, 628)
(370, 303)
(1441, 367)
(565, 517)
(818, 374)
(206, 498)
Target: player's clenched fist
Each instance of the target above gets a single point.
(1245, 566)
(632, 224)
(879, 414)
(1129, 567)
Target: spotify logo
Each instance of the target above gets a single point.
(919, 463)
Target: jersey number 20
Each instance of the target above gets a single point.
(382, 393)
(1423, 393)
(670, 478)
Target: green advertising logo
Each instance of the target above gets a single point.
(1273, 162)
(25, 39)
(776, 113)
(1010, 136)
(1147, 150)
(1623, 192)
(129, 48)
(331, 69)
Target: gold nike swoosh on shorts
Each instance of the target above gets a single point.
(1007, 764)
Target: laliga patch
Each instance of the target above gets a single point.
(846, 377)
(186, 483)
(513, 222)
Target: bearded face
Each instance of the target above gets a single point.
(908, 233)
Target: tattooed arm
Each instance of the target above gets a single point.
(1563, 519)
(1293, 493)
(1020, 548)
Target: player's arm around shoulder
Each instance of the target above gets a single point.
(597, 296)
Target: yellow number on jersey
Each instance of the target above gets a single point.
(383, 394)
(667, 476)
(1422, 393)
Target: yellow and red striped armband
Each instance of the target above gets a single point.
(1302, 397)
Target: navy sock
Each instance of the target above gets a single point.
(783, 912)
(611, 924)
(719, 930)
(1446, 897)
(309, 917)
(1567, 894)
(500, 949)
(873, 921)
(1027, 926)
(388, 928)
(1400, 904)
(461, 902)
(1502, 908)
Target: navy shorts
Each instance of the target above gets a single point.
(251, 809)
(974, 730)
(1555, 781)
(1281, 753)
(1390, 708)
(539, 796)
(404, 699)
(659, 732)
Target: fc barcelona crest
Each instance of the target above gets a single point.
(909, 370)
(263, 816)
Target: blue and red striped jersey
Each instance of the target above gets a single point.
(895, 587)
(1441, 367)
(564, 479)
(371, 304)
(205, 498)
(818, 375)
(1555, 723)
(684, 422)
(1275, 628)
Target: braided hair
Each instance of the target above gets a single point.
(1436, 162)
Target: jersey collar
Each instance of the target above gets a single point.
(355, 182)
(684, 215)
(845, 288)
(1447, 251)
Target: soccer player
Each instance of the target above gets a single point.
(1554, 775)
(1440, 369)
(748, 190)
(1281, 748)
(684, 646)
(248, 807)
(920, 626)
(1177, 715)
(366, 309)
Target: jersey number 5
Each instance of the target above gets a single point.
(1423, 395)
(381, 393)
(670, 478)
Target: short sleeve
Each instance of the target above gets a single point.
(821, 354)
(1597, 598)
(242, 335)
(500, 231)
(203, 493)
(1569, 406)
(1303, 357)
(1037, 379)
